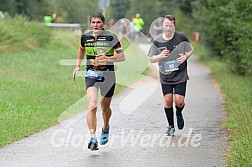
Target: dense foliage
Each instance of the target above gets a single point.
(18, 33)
(226, 28)
(75, 11)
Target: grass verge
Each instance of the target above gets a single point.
(237, 91)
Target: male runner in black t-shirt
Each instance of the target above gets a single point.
(99, 46)
(171, 50)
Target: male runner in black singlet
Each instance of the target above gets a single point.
(99, 46)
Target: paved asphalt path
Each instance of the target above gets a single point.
(137, 131)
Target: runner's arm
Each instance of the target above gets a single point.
(162, 55)
(189, 54)
(184, 57)
(116, 58)
(80, 57)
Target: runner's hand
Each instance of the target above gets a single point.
(101, 57)
(182, 58)
(164, 53)
(76, 70)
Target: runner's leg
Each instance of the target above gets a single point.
(106, 111)
(92, 108)
(168, 103)
(180, 90)
(107, 88)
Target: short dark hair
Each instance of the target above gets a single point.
(171, 18)
(98, 15)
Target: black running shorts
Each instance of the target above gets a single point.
(106, 86)
(179, 88)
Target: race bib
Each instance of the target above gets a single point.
(171, 65)
(97, 75)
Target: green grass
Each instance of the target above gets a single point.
(19, 33)
(237, 92)
(35, 89)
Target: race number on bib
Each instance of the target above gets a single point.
(171, 66)
(97, 75)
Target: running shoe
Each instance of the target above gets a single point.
(104, 136)
(180, 121)
(170, 131)
(93, 144)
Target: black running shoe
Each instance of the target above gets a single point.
(93, 144)
(180, 121)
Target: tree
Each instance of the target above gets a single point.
(185, 6)
(119, 9)
(166, 7)
(226, 26)
(148, 11)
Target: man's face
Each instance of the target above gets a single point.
(96, 24)
(168, 26)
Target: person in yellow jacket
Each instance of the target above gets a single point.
(138, 25)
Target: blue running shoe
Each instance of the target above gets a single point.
(93, 144)
(170, 131)
(104, 136)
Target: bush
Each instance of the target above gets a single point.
(226, 26)
(18, 33)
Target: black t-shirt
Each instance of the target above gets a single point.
(178, 44)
